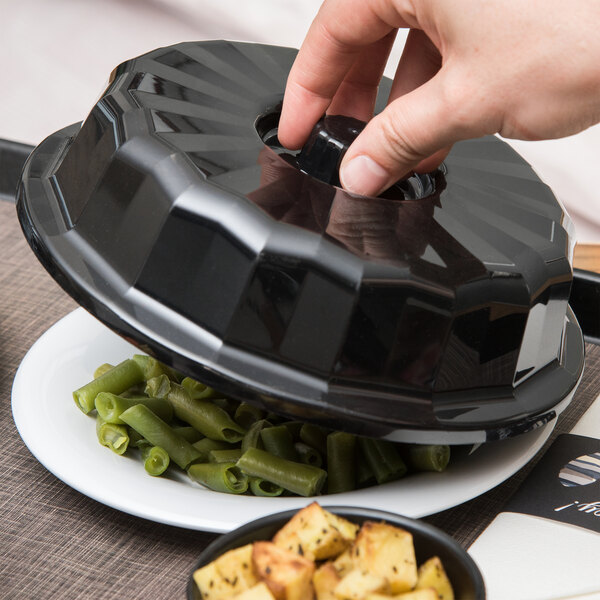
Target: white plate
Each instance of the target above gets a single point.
(63, 439)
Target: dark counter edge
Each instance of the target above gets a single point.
(585, 293)
(12, 159)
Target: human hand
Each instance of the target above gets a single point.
(527, 70)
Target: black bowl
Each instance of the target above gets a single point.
(464, 575)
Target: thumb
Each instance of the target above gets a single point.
(412, 128)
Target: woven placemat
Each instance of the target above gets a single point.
(58, 543)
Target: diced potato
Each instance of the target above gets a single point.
(357, 585)
(325, 580)
(424, 594)
(259, 592)
(387, 551)
(288, 575)
(432, 574)
(316, 533)
(228, 575)
(344, 563)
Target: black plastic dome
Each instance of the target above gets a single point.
(173, 215)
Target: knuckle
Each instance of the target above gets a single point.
(397, 139)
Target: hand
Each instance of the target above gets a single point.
(524, 69)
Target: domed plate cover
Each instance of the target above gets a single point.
(173, 216)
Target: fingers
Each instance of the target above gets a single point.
(341, 30)
(357, 93)
(419, 62)
(414, 127)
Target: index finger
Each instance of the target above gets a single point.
(340, 31)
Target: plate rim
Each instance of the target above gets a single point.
(220, 519)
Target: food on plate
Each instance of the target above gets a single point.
(322, 556)
(143, 406)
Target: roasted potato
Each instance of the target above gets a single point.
(288, 575)
(431, 574)
(325, 580)
(259, 592)
(316, 533)
(227, 576)
(387, 551)
(357, 585)
(317, 554)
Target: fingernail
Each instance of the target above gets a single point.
(362, 175)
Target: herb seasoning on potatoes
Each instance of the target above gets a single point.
(317, 555)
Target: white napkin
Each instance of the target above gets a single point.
(523, 557)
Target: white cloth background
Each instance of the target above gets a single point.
(56, 56)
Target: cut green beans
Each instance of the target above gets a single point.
(208, 419)
(384, 459)
(298, 478)
(226, 445)
(430, 457)
(262, 487)
(189, 433)
(112, 436)
(158, 433)
(220, 456)
(205, 446)
(364, 474)
(102, 369)
(278, 441)
(116, 380)
(156, 460)
(341, 462)
(314, 436)
(252, 437)
(246, 415)
(197, 390)
(308, 455)
(158, 387)
(221, 477)
(110, 406)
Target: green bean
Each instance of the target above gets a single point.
(225, 404)
(341, 462)
(153, 367)
(278, 441)
(308, 455)
(116, 380)
(188, 433)
(247, 414)
(158, 433)
(135, 391)
(197, 390)
(102, 369)
(314, 436)
(262, 487)
(206, 445)
(110, 406)
(221, 477)
(383, 457)
(208, 419)
(274, 418)
(136, 439)
(252, 438)
(294, 428)
(298, 478)
(112, 436)
(220, 456)
(158, 387)
(156, 460)
(364, 474)
(429, 457)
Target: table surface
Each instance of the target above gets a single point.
(58, 543)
